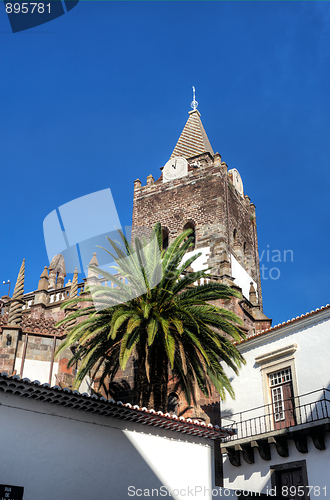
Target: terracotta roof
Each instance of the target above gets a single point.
(289, 322)
(193, 140)
(73, 399)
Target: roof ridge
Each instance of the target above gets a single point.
(108, 407)
(284, 323)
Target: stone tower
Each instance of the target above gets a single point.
(196, 190)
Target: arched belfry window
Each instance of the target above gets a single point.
(165, 234)
(191, 225)
(173, 403)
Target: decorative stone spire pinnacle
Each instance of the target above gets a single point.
(74, 285)
(73, 294)
(15, 309)
(94, 262)
(252, 295)
(57, 272)
(58, 264)
(43, 282)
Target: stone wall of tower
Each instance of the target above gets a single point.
(224, 220)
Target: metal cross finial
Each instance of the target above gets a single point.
(194, 103)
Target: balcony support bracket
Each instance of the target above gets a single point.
(264, 449)
(300, 440)
(281, 445)
(233, 455)
(317, 436)
(248, 453)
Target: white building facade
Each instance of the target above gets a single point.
(282, 413)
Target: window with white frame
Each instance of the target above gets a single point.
(278, 403)
(278, 372)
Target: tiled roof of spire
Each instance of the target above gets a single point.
(193, 140)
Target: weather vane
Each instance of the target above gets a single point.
(7, 283)
(194, 103)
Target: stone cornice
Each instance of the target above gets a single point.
(278, 353)
(40, 326)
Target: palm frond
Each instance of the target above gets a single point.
(155, 313)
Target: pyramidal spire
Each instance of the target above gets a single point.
(91, 272)
(43, 281)
(15, 310)
(193, 140)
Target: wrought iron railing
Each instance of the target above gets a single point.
(296, 411)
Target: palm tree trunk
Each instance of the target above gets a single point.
(142, 384)
(159, 382)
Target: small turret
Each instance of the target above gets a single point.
(43, 282)
(252, 295)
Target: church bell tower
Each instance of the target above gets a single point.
(197, 190)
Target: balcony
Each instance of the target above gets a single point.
(295, 418)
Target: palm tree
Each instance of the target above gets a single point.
(158, 315)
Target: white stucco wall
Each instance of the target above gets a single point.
(61, 453)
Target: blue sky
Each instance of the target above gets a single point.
(99, 96)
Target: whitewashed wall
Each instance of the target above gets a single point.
(60, 453)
